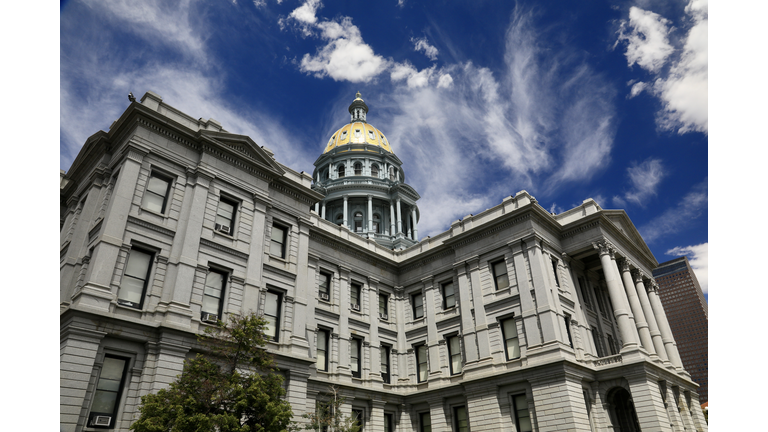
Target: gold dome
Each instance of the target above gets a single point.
(357, 133)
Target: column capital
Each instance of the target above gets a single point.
(604, 247)
(346, 197)
(429, 282)
(370, 197)
(533, 240)
(638, 275)
(624, 264)
(460, 267)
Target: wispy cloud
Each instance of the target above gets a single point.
(676, 218)
(678, 74)
(644, 180)
(423, 45)
(698, 255)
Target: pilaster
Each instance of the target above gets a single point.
(481, 325)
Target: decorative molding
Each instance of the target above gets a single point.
(225, 249)
(491, 231)
(425, 261)
(580, 229)
(149, 225)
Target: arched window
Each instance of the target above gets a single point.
(324, 175)
(342, 171)
(358, 222)
(339, 219)
(358, 169)
(375, 170)
(376, 220)
(392, 173)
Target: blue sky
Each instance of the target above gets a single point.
(567, 100)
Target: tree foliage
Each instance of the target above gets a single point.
(328, 415)
(234, 388)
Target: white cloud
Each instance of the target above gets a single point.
(445, 81)
(412, 77)
(636, 89)
(644, 180)
(422, 45)
(698, 256)
(677, 218)
(680, 81)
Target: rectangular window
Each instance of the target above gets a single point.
(500, 277)
(324, 289)
(567, 319)
(422, 367)
(272, 315)
(354, 352)
(388, 422)
(109, 388)
(383, 306)
(358, 418)
(454, 352)
(449, 297)
(598, 342)
(584, 295)
(212, 296)
(277, 245)
(425, 423)
(511, 341)
(384, 350)
(599, 301)
(522, 415)
(133, 286)
(554, 268)
(418, 306)
(611, 347)
(461, 419)
(322, 350)
(354, 294)
(225, 216)
(324, 411)
(156, 195)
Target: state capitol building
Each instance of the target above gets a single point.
(514, 319)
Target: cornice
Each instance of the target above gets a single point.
(225, 249)
(149, 225)
(359, 253)
(420, 262)
(469, 237)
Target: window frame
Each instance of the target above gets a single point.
(325, 348)
(152, 256)
(446, 297)
(224, 276)
(496, 276)
(356, 290)
(358, 167)
(611, 345)
(385, 298)
(456, 420)
(231, 222)
(375, 170)
(356, 353)
(384, 352)
(416, 350)
(584, 292)
(357, 220)
(452, 355)
(341, 171)
(388, 422)
(328, 278)
(505, 337)
(283, 245)
(554, 270)
(118, 395)
(422, 426)
(415, 308)
(598, 342)
(518, 410)
(163, 177)
(278, 316)
(567, 319)
(358, 415)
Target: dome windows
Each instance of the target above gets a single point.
(358, 168)
(342, 170)
(375, 171)
(376, 224)
(358, 222)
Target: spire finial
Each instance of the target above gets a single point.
(357, 95)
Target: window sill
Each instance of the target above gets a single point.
(128, 307)
(152, 212)
(221, 234)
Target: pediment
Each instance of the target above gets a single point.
(243, 146)
(621, 220)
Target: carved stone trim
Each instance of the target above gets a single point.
(149, 225)
(225, 249)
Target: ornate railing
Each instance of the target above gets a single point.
(608, 360)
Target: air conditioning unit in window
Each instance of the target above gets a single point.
(101, 421)
(324, 296)
(383, 316)
(356, 307)
(210, 318)
(222, 228)
(126, 303)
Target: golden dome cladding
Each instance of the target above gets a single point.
(357, 133)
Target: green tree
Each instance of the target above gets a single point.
(328, 416)
(233, 388)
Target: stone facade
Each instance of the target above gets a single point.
(515, 319)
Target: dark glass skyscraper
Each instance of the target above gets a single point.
(688, 317)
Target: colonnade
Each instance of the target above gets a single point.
(637, 308)
(408, 227)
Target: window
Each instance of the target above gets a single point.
(376, 220)
(449, 297)
(133, 286)
(611, 346)
(156, 195)
(511, 342)
(324, 289)
(277, 245)
(384, 350)
(599, 301)
(598, 342)
(583, 289)
(388, 422)
(358, 417)
(272, 305)
(375, 170)
(500, 274)
(354, 295)
(322, 349)
(354, 350)
(460, 419)
(392, 173)
(383, 306)
(225, 216)
(567, 319)
(425, 423)
(109, 388)
(358, 169)
(341, 170)
(522, 415)
(454, 352)
(324, 412)
(339, 219)
(358, 222)
(554, 268)
(213, 293)
(422, 367)
(418, 306)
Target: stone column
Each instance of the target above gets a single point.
(666, 333)
(392, 231)
(373, 316)
(344, 215)
(415, 230)
(481, 326)
(616, 292)
(429, 316)
(370, 213)
(648, 402)
(567, 411)
(322, 215)
(344, 335)
(532, 332)
(637, 310)
(304, 291)
(317, 207)
(399, 219)
(650, 317)
(550, 328)
(376, 418)
(465, 305)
